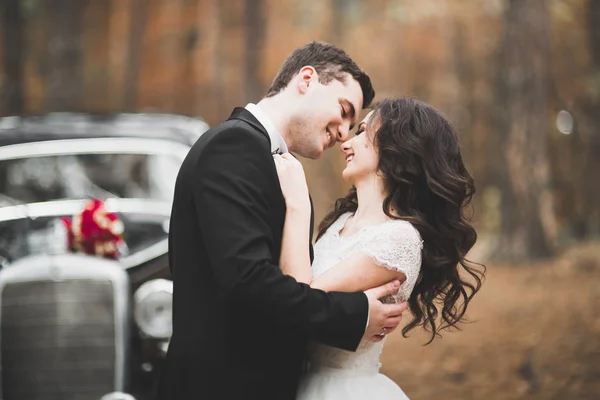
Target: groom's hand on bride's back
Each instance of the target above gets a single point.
(383, 318)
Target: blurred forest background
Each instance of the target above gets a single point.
(520, 79)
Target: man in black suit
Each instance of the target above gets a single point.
(240, 327)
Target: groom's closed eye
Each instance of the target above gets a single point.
(348, 111)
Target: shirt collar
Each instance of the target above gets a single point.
(277, 143)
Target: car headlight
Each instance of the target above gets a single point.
(154, 308)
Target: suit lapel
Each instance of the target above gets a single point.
(312, 228)
(242, 114)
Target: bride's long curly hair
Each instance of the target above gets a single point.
(427, 185)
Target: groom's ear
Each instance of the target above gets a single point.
(305, 77)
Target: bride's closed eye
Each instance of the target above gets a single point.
(360, 130)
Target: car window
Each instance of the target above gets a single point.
(80, 176)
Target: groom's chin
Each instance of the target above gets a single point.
(314, 154)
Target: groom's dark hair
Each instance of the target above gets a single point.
(329, 61)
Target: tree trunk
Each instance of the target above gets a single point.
(528, 221)
(96, 84)
(139, 15)
(590, 218)
(337, 19)
(254, 20)
(12, 22)
(65, 52)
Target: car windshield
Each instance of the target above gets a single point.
(80, 176)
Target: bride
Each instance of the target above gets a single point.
(402, 219)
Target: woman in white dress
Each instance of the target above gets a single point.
(403, 219)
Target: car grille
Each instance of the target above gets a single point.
(57, 339)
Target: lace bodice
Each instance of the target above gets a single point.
(393, 244)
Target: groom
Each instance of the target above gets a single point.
(240, 326)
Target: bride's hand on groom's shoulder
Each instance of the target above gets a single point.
(383, 318)
(293, 182)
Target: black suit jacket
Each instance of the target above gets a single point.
(240, 327)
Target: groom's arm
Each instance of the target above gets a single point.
(234, 179)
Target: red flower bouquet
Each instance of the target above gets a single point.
(95, 231)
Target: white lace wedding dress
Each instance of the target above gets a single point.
(338, 374)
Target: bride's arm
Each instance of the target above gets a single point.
(353, 274)
(294, 259)
(391, 251)
(356, 273)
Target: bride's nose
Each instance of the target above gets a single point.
(346, 146)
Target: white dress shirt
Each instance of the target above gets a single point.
(277, 143)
